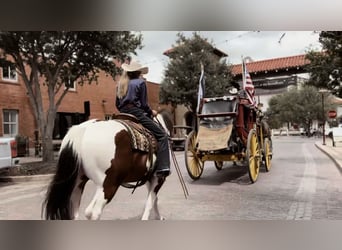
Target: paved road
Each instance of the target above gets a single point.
(303, 184)
(21, 201)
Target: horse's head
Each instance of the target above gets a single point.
(164, 117)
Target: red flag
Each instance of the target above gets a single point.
(247, 84)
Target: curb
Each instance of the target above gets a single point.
(337, 163)
(25, 178)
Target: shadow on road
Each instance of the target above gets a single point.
(229, 173)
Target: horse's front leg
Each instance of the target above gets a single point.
(153, 186)
(156, 210)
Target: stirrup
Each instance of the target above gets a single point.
(163, 172)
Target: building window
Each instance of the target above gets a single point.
(10, 122)
(108, 117)
(9, 74)
(71, 84)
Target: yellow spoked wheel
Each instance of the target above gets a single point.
(253, 155)
(219, 165)
(267, 154)
(193, 163)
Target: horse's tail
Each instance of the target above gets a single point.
(58, 204)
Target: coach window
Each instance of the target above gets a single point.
(10, 122)
(9, 74)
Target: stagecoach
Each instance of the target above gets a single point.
(229, 129)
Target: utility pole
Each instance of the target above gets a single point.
(323, 91)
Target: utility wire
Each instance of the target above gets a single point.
(214, 44)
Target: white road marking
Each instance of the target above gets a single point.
(301, 208)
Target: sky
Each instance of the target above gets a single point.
(258, 45)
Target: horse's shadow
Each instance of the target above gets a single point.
(232, 173)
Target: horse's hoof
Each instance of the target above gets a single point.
(88, 215)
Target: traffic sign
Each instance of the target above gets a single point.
(332, 113)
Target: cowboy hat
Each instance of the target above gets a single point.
(134, 66)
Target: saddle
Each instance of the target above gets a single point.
(142, 139)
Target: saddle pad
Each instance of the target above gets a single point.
(213, 138)
(142, 139)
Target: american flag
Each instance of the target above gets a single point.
(247, 84)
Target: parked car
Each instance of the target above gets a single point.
(8, 152)
(179, 136)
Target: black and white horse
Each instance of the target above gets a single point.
(100, 151)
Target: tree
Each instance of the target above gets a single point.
(300, 107)
(326, 66)
(280, 109)
(47, 61)
(182, 74)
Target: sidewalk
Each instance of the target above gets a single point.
(334, 153)
(28, 159)
(25, 178)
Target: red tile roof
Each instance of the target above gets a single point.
(337, 100)
(272, 64)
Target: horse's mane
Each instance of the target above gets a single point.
(167, 116)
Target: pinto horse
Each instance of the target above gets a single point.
(101, 151)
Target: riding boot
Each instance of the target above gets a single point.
(163, 163)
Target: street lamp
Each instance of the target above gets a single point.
(323, 91)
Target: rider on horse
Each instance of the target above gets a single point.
(132, 99)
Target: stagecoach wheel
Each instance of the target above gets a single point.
(193, 164)
(267, 154)
(253, 155)
(218, 165)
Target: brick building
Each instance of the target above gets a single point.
(80, 103)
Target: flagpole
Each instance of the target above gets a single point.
(200, 93)
(243, 84)
(243, 73)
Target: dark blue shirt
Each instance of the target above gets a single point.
(136, 95)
